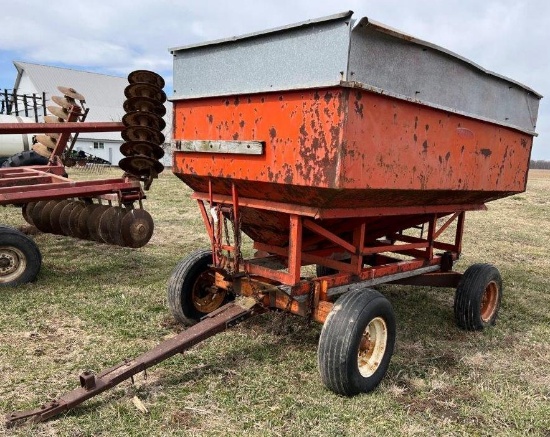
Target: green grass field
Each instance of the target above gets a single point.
(94, 305)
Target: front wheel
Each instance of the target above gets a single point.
(478, 297)
(356, 342)
(20, 258)
(191, 290)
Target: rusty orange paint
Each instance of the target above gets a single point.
(398, 144)
(302, 132)
(343, 147)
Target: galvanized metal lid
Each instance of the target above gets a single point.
(339, 51)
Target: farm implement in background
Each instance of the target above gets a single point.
(108, 210)
(324, 153)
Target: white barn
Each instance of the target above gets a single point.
(104, 97)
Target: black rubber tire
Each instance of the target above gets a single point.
(478, 297)
(180, 287)
(20, 258)
(28, 157)
(340, 341)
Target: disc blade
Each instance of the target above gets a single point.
(55, 215)
(43, 222)
(146, 76)
(26, 211)
(109, 225)
(145, 148)
(42, 150)
(83, 231)
(142, 133)
(144, 104)
(46, 140)
(145, 90)
(52, 119)
(141, 118)
(136, 228)
(72, 93)
(59, 112)
(140, 165)
(93, 222)
(36, 211)
(64, 102)
(69, 216)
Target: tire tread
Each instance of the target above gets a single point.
(13, 237)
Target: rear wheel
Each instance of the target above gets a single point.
(478, 297)
(191, 290)
(20, 259)
(356, 342)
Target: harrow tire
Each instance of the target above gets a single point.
(189, 289)
(478, 297)
(20, 258)
(356, 342)
(27, 157)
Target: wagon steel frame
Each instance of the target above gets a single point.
(279, 270)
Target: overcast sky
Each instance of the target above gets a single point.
(509, 37)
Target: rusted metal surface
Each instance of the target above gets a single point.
(39, 184)
(143, 124)
(343, 147)
(267, 221)
(437, 279)
(312, 241)
(233, 147)
(17, 128)
(91, 385)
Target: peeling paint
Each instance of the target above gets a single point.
(486, 152)
(319, 143)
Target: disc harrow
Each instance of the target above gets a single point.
(119, 225)
(143, 120)
(67, 109)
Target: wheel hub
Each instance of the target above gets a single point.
(12, 263)
(372, 346)
(5, 262)
(206, 296)
(489, 301)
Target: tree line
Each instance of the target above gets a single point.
(539, 164)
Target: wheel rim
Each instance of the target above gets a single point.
(489, 301)
(206, 297)
(12, 264)
(372, 346)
